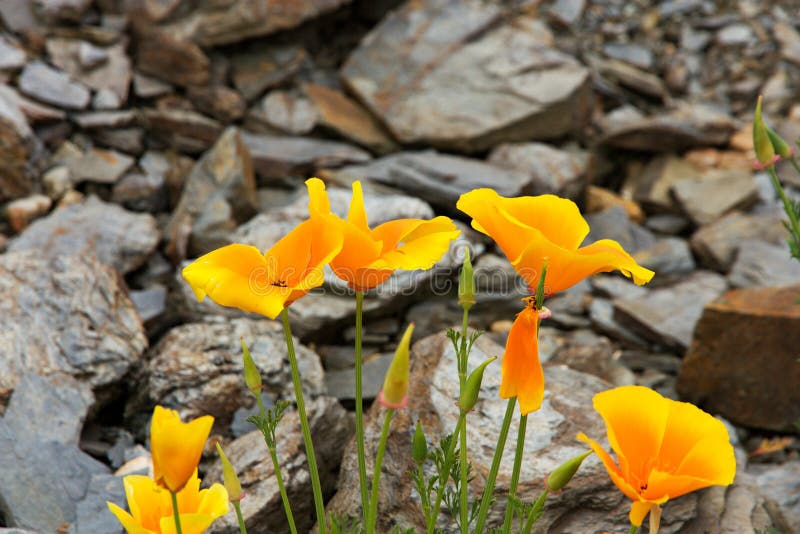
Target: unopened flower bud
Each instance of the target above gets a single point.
(395, 385)
(562, 474)
(466, 283)
(473, 386)
(765, 152)
(778, 144)
(419, 445)
(230, 479)
(252, 376)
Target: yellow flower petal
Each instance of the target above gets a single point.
(127, 521)
(357, 215)
(521, 371)
(318, 203)
(176, 446)
(612, 468)
(639, 510)
(214, 501)
(412, 244)
(237, 276)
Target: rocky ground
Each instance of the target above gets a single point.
(138, 134)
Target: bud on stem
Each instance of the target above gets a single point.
(466, 283)
(562, 474)
(230, 479)
(472, 387)
(252, 376)
(419, 445)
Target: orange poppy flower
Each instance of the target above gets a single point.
(522, 374)
(176, 446)
(664, 448)
(530, 229)
(151, 506)
(369, 256)
(241, 277)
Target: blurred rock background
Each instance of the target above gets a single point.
(136, 135)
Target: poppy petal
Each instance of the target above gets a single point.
(522, 375)
(414, 244)
(639, 509)
(127, 521)
(236, 276)
(612, 468)
(176, 446)
(357, 215)
(318, 203)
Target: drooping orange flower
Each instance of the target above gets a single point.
(369, 256)
(176, 446)
(241, 277)
(151, 506)
(530, 229)
(522, 374)
(664, 448)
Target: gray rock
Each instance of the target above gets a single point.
(706, 199)
(147, 87)
(115, 236)
(104, 119)
(141, 192)
(331, 428)
(114, 74)
(278, 158)
(11, 56)
(90, 55)
(58, 474)
(551, 170)
(667, 316)
(18, 16)
(601, 314)
(236, 21)
(759, 263)
(219, 194)
(634, 54)
(54, 10)
(128, 140)
(92, 513)
(436, 178)
(97, 165)
(511, 85)
(651, 187)
(633, 78)
(85, 324)
(567, 12)
(289, 112)
(614, 286)
(341, 383)
(257, 69)
(51, 408)
(686, 127)
(735, 35)
(53, 86)
(184, 130)
(717, 244)
(667, 223)
(150, 303)
(781, 485)
(670, 258)
(613, 223)
(197, 369)
(106, 99)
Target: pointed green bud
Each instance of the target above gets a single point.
(473, 386)
(540, 287)
(229, 477)
(562, 474)
(781, 147)
(395, 385)
(252, 376)
(466, 283)
(419, 445)
(765, 153)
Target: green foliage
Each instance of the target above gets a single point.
(344, 524)
(269, 422)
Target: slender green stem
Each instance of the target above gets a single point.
(301, 410)
(448, 462)
(372, 516)
(362, 464)
(462, 458)
(276, 468)
(488, 491)
(177, 514)
(787, 206)
(536, 511)
(633, 529)
(424, 496)
(242, 528)
(512, 489)
(794, 164)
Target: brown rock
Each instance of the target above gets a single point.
(258, 69)
(347, 118)
(600, 199)
(184, 130)
(14, 151)
(465, 76)
(651, 187)
(163, 55)
(22, 211)
(220, 102)
(742, 362)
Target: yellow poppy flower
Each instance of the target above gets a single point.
(176, 446)
(522, 374)
(369, 256)
(664, 448)
(530, 229)
(151, 506)
(241, 277)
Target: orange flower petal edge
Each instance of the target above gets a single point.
(369, 256)
(522, 374)
(530, 229)
(241, 277)
(176, 446)
(664, 448)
